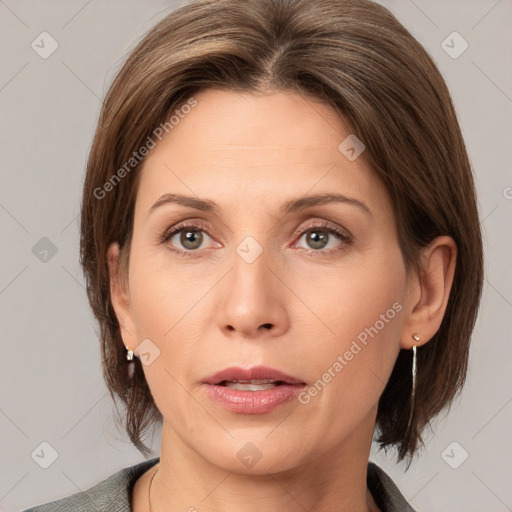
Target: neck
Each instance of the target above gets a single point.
(332, 481)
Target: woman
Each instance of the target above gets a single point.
(281, 243)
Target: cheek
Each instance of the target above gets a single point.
(352, 364)
(348, 299)
(159, 295)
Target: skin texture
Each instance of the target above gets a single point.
(250, 153)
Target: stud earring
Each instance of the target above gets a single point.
(131, 364)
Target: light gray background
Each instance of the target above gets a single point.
(52, 388)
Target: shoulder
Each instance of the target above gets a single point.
(110, 495)
(385, 493)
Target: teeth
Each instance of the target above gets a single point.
(252, 385)
(249, 387)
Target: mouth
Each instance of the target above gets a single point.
(255, 390)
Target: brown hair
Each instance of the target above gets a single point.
(355, 56)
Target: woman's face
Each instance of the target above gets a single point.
(315, 290)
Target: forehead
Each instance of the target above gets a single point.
(235, 144)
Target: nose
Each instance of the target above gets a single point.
(252, 300)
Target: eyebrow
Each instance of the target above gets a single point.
(294, 205)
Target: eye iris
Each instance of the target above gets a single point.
(317, 239)
(191, 237)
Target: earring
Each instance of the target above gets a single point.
(413, 390)
(131, 364)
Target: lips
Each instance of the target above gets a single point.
(257, 375)
(255, 390)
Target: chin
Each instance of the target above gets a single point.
(255, 454)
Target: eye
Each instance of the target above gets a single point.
(186, 238)
(325, 238)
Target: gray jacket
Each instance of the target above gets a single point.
(113, 494)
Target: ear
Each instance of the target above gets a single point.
(120, 297)
(429, 292)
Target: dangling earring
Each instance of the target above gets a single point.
(415, 337)
(131, 364)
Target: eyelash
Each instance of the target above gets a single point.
(339, 233)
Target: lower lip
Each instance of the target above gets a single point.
(253, 402)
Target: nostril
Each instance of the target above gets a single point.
(267, 326)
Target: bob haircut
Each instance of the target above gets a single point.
(355, 56)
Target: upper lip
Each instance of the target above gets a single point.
(235, 374)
